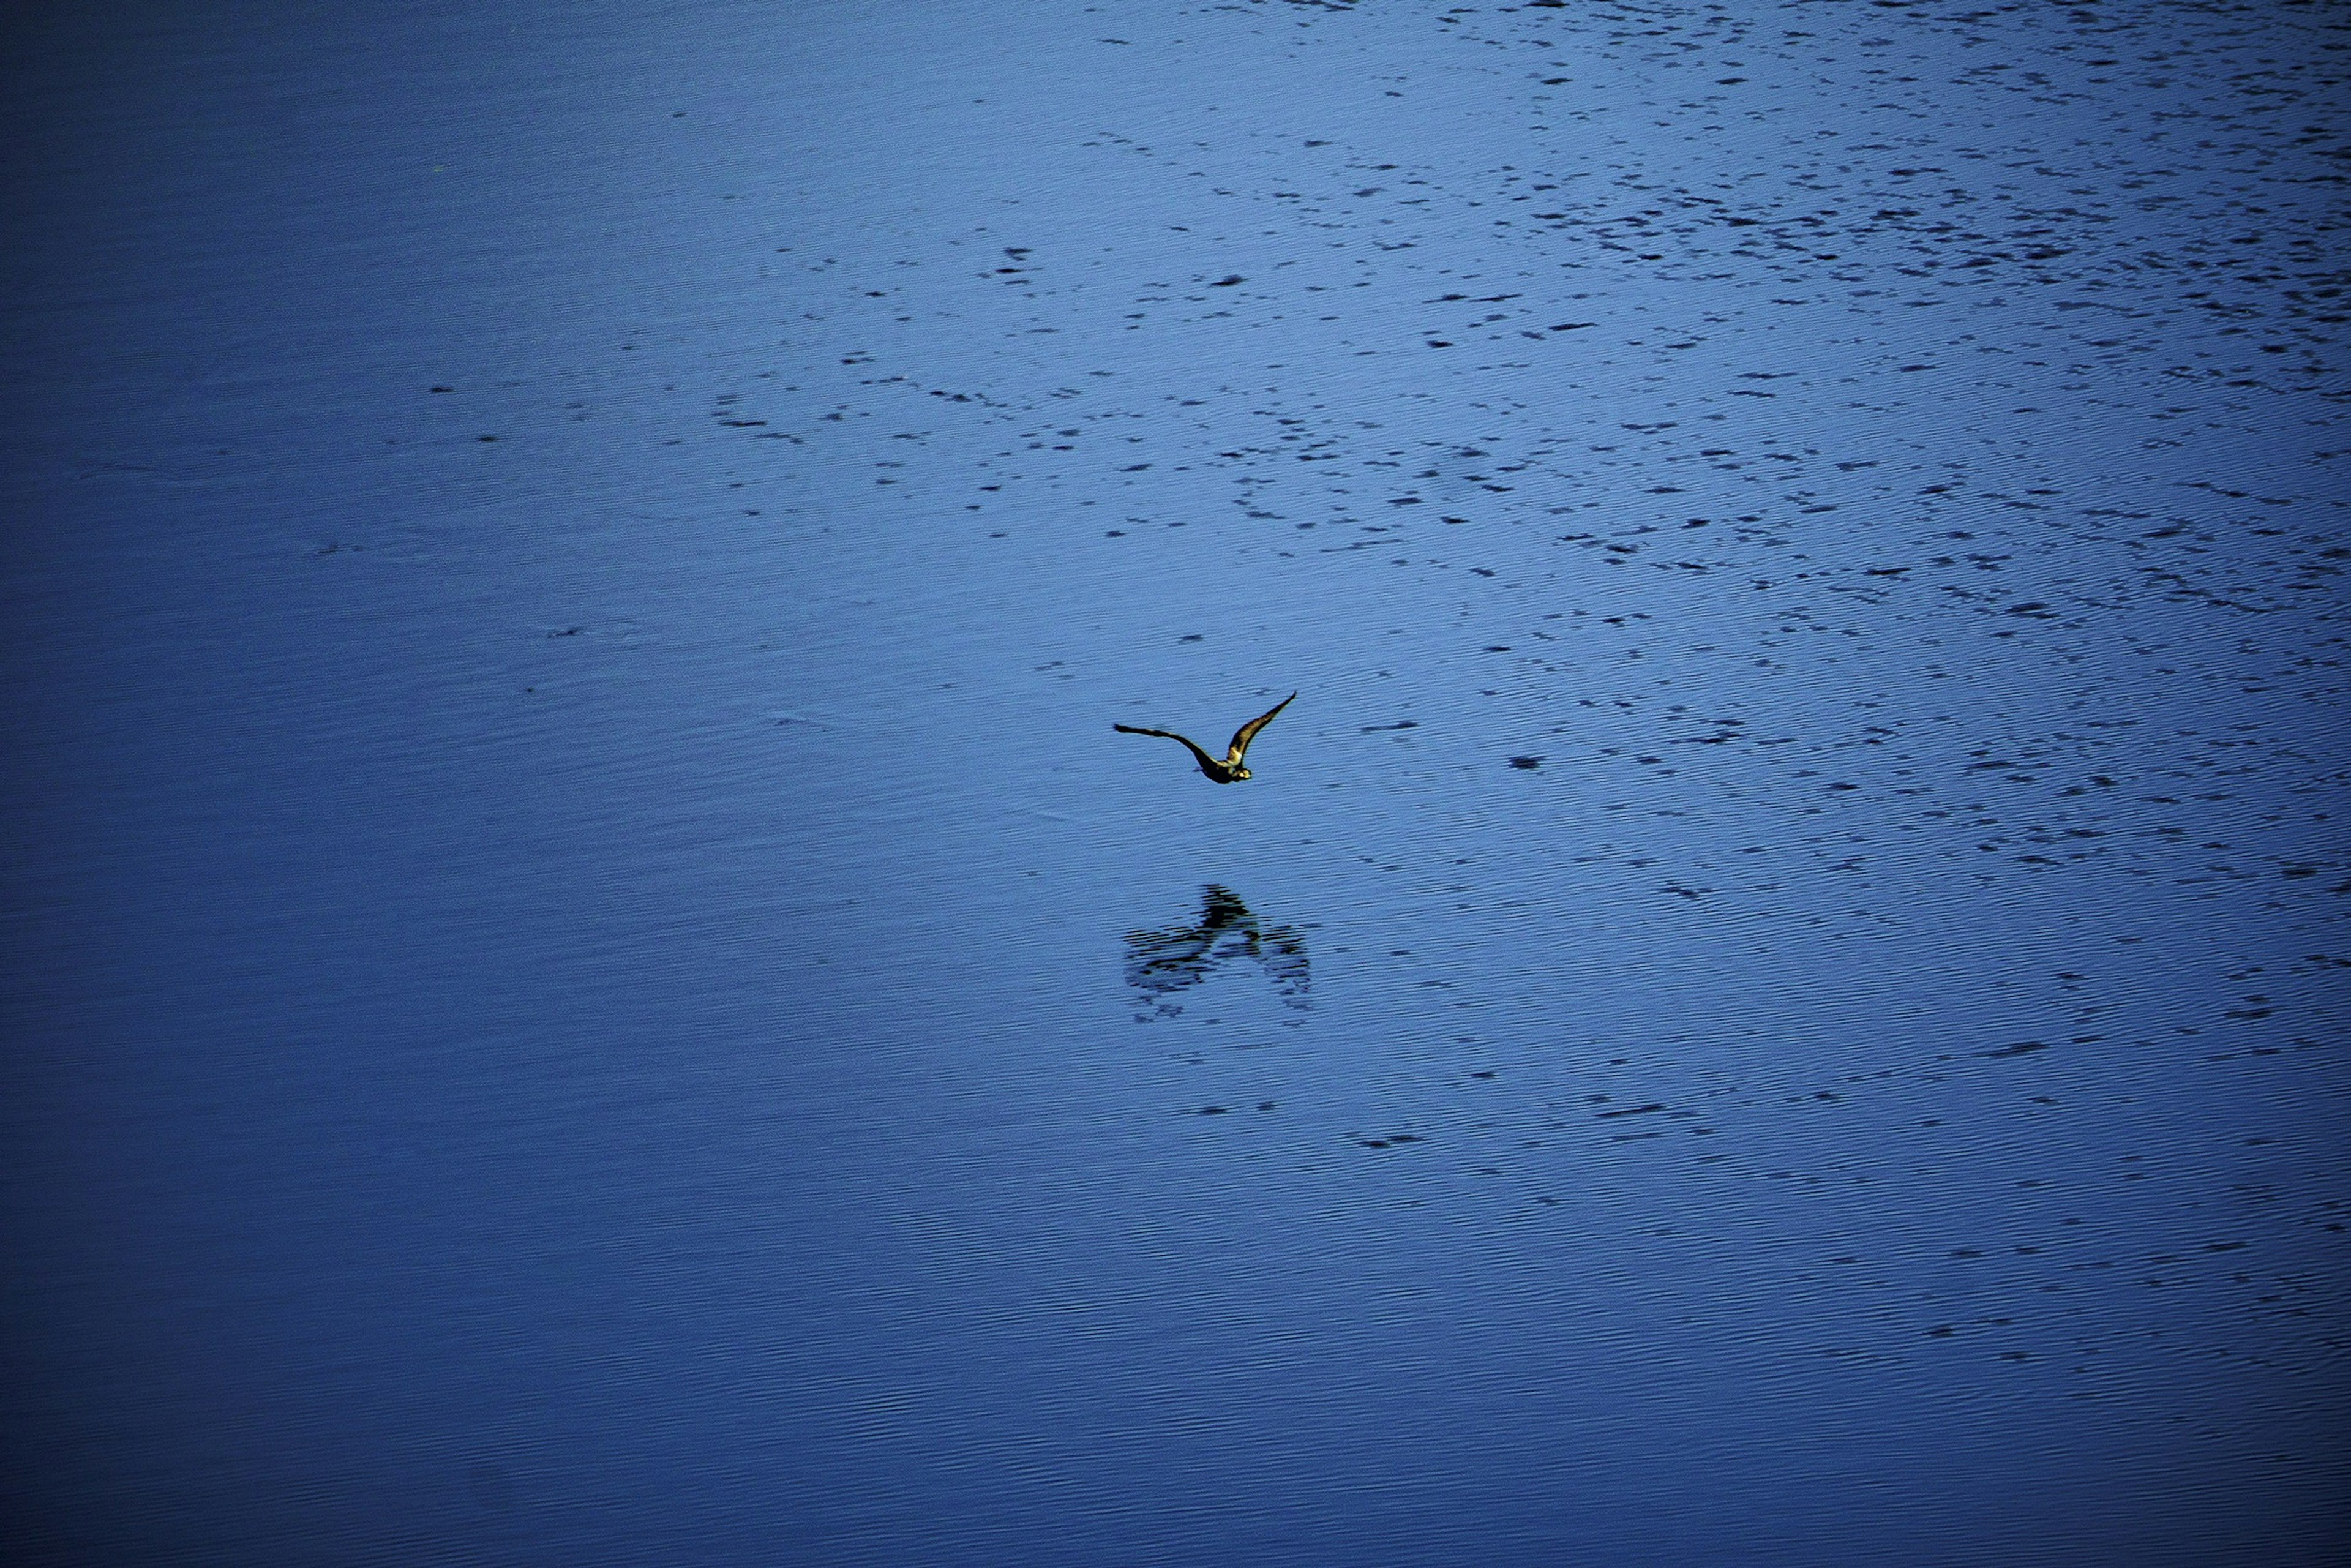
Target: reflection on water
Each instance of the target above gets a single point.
(1161, 964)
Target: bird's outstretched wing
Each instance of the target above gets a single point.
(1208, 765)
(1248, 732)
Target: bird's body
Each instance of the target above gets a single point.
(1231, 769)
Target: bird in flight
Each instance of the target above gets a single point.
(1230, 770)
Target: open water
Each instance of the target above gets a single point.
(588, 982)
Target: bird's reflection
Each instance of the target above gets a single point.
(1162, 964)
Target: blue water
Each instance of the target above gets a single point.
(588, 980)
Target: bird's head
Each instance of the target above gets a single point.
(1239, 774)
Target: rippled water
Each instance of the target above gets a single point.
(590, 981)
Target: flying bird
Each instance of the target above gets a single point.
(1230, 770)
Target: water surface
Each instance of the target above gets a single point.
(588, 980)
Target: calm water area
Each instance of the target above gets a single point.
(588, 980)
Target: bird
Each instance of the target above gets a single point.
(1230, 769)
